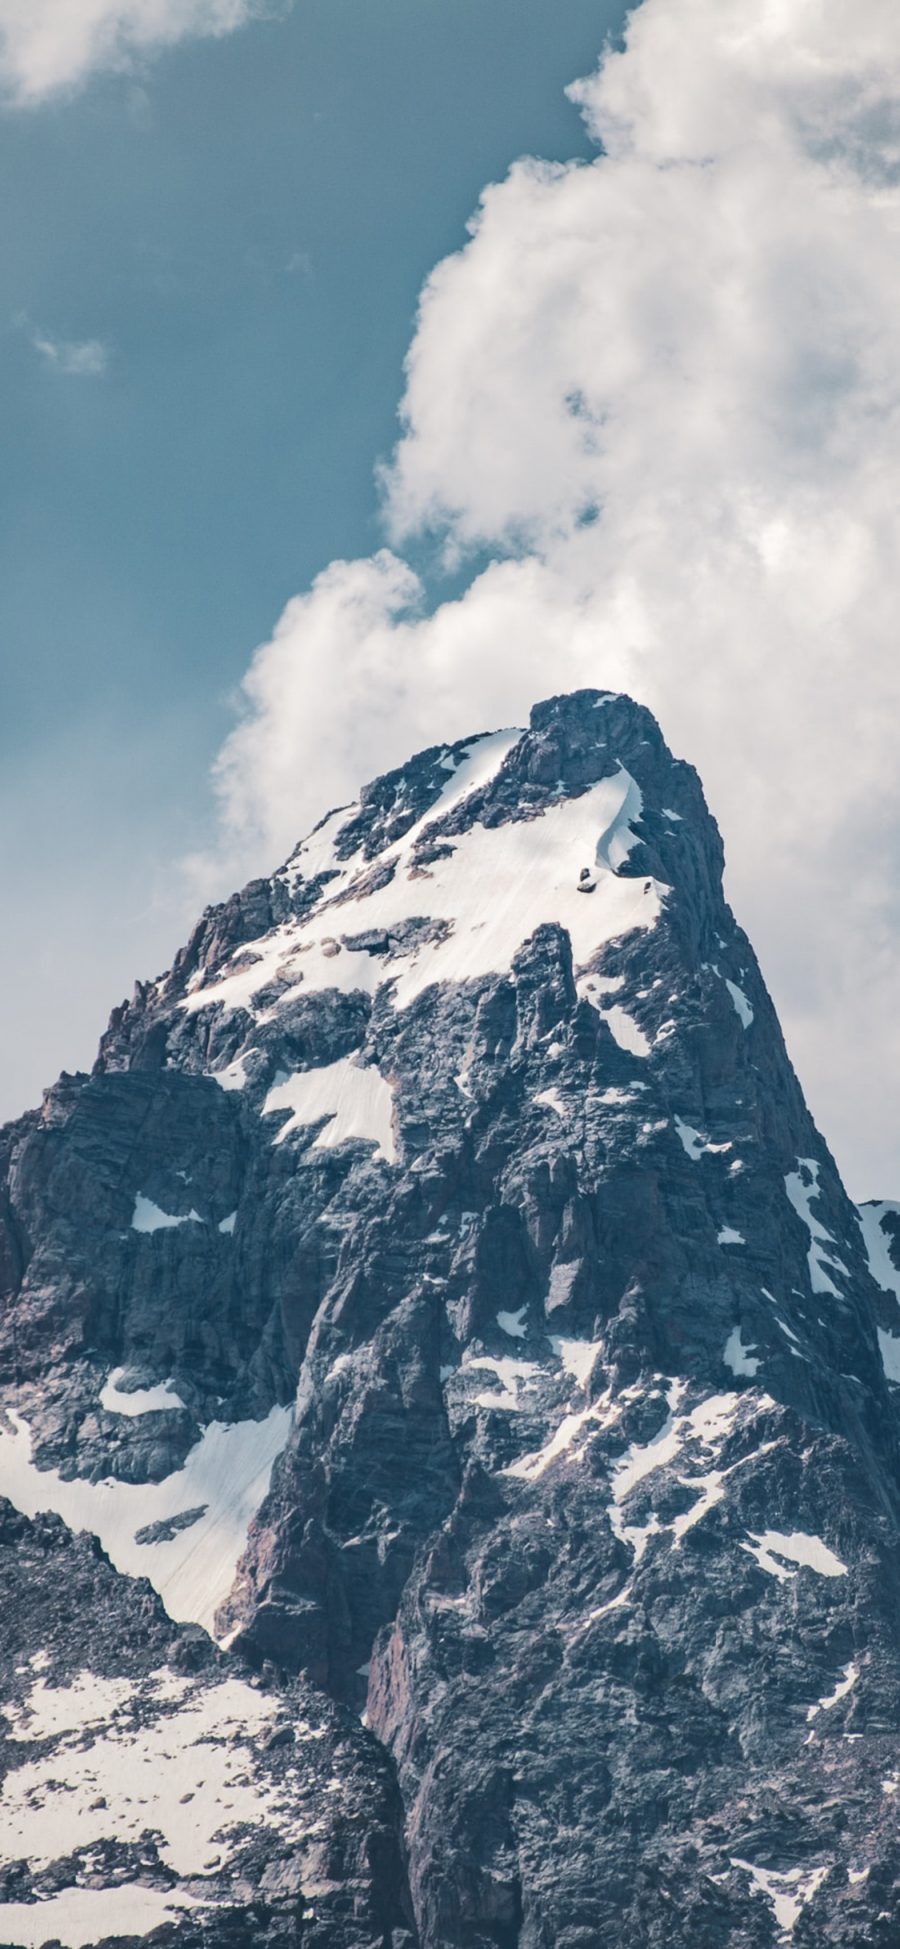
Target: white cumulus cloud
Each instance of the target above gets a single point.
(51, 47)
(662, 389)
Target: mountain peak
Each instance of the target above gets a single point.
(440, 1293)
(457, 795)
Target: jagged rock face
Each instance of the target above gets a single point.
(440, 1292)
(152, 1784)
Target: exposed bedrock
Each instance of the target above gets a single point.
(440, 1294)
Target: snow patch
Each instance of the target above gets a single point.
(531, 1467)
(613, 1604)
(148, 1217)
(315, 854)
(775, 1553)
(50, 1710)
(889, 1347)
(356, 1101)
(140, 1400)
(706, 1426)
(227, 1224)
(474, 768)
(696, 1145)
(728, 1236)
(622, 1027)
(884, 1272)
(576, 1356)
(802, 1187)
(513, 1323)
(843, 1686)
(234, 1077)
(468, 770)
(551, 1100)
(738, 1357)
(625, 1031)
(876, 1241)
(615, 844)
(788, 1891)
(510, 1373)
(742, 1007)
(592, 988)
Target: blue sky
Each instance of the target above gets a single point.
(241, 227)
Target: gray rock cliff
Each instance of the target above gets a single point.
(440, 1308)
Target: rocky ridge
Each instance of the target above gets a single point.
(439, 1299)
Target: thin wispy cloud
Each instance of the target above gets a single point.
(663, 390)
(53, 47)
(86, 358)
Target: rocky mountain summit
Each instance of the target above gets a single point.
(449, 1421)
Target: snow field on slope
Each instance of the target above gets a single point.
(519, 1379)
(51, 1710)
(80, 1917)
(228, 1471)
(743, 1008)
(626, 1031)
(356, 1101)
(477, 765)
(234, 1075)
(496, 887)
(166, 1758)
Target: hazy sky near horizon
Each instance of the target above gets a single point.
(649, 408)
